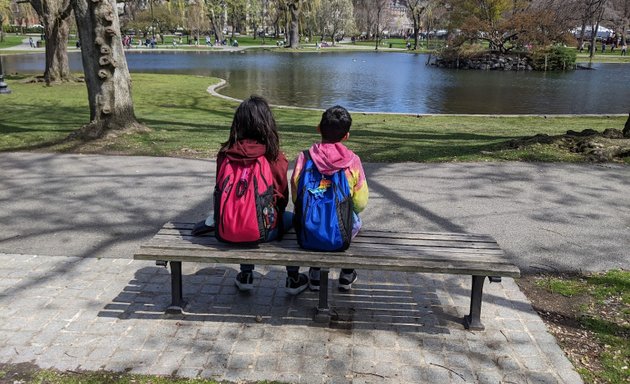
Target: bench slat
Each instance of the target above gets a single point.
(471, 267)
(281, 255)
(356, 248)
(468, 244)
(187, 227)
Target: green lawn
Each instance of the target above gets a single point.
(187, 121)
(11, 40)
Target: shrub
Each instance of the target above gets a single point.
(553, 58)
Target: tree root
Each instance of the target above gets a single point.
(104, 128)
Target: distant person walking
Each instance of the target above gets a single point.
(624, 49)
(30, 42)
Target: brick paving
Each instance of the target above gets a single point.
(76, 313)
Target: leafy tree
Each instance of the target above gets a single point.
(337, 17)
(506, 24)
(487, 20)
(5, 11)
(236, 11)
(105, 68)
(256, 16)
(277, 9)
(310, 17)
(214, 11)
(544, 22)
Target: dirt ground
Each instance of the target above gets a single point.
(608, 146)
(562, 315)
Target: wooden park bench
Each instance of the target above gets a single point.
(447, 253)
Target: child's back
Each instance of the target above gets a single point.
(331, 156)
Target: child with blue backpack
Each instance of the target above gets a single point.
(252, 191)
(328, 171)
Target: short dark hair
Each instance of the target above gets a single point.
(335, 124)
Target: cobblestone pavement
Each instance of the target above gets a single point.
(74, 313)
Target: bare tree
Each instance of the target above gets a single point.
(105, 68)
(380, 9)
(621, 17)
(364, 16)
(416, 8)
(591, 14)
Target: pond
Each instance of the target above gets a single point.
(382, 81)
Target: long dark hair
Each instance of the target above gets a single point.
(253, 120)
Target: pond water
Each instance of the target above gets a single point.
(382, 82)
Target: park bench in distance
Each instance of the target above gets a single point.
(446, 253)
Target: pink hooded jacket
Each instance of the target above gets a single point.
(329, 158)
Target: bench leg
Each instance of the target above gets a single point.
(322, 314)
(177, 299)
(472, 321)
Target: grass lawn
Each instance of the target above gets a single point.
(11, 40)
(187, 122)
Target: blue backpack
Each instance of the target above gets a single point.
(323, 209)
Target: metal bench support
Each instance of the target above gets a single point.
(472, 321)
(322, 314)
(177, 298)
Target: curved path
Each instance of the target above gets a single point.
(547, 217)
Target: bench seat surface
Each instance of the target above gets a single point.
(452, 253)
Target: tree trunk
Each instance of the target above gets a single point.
(626, 128)
(594, 30)
(581, 38)
(294, 39)
(54, 15)
(218, 30)
(416, 34)
(105, 67)
(57, 67)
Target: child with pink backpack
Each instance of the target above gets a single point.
(251, 192)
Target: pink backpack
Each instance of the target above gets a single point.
(243, 201)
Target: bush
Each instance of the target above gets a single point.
(554, 58)
(465, 51)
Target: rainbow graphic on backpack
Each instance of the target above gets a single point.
(323, 209)
(243, 201)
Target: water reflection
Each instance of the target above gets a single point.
(386, 82)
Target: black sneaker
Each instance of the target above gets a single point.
(244, 281)
(346, 280)
(296, 284)
(313, 279)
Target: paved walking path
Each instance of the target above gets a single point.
(73, 298)
(73, 313)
